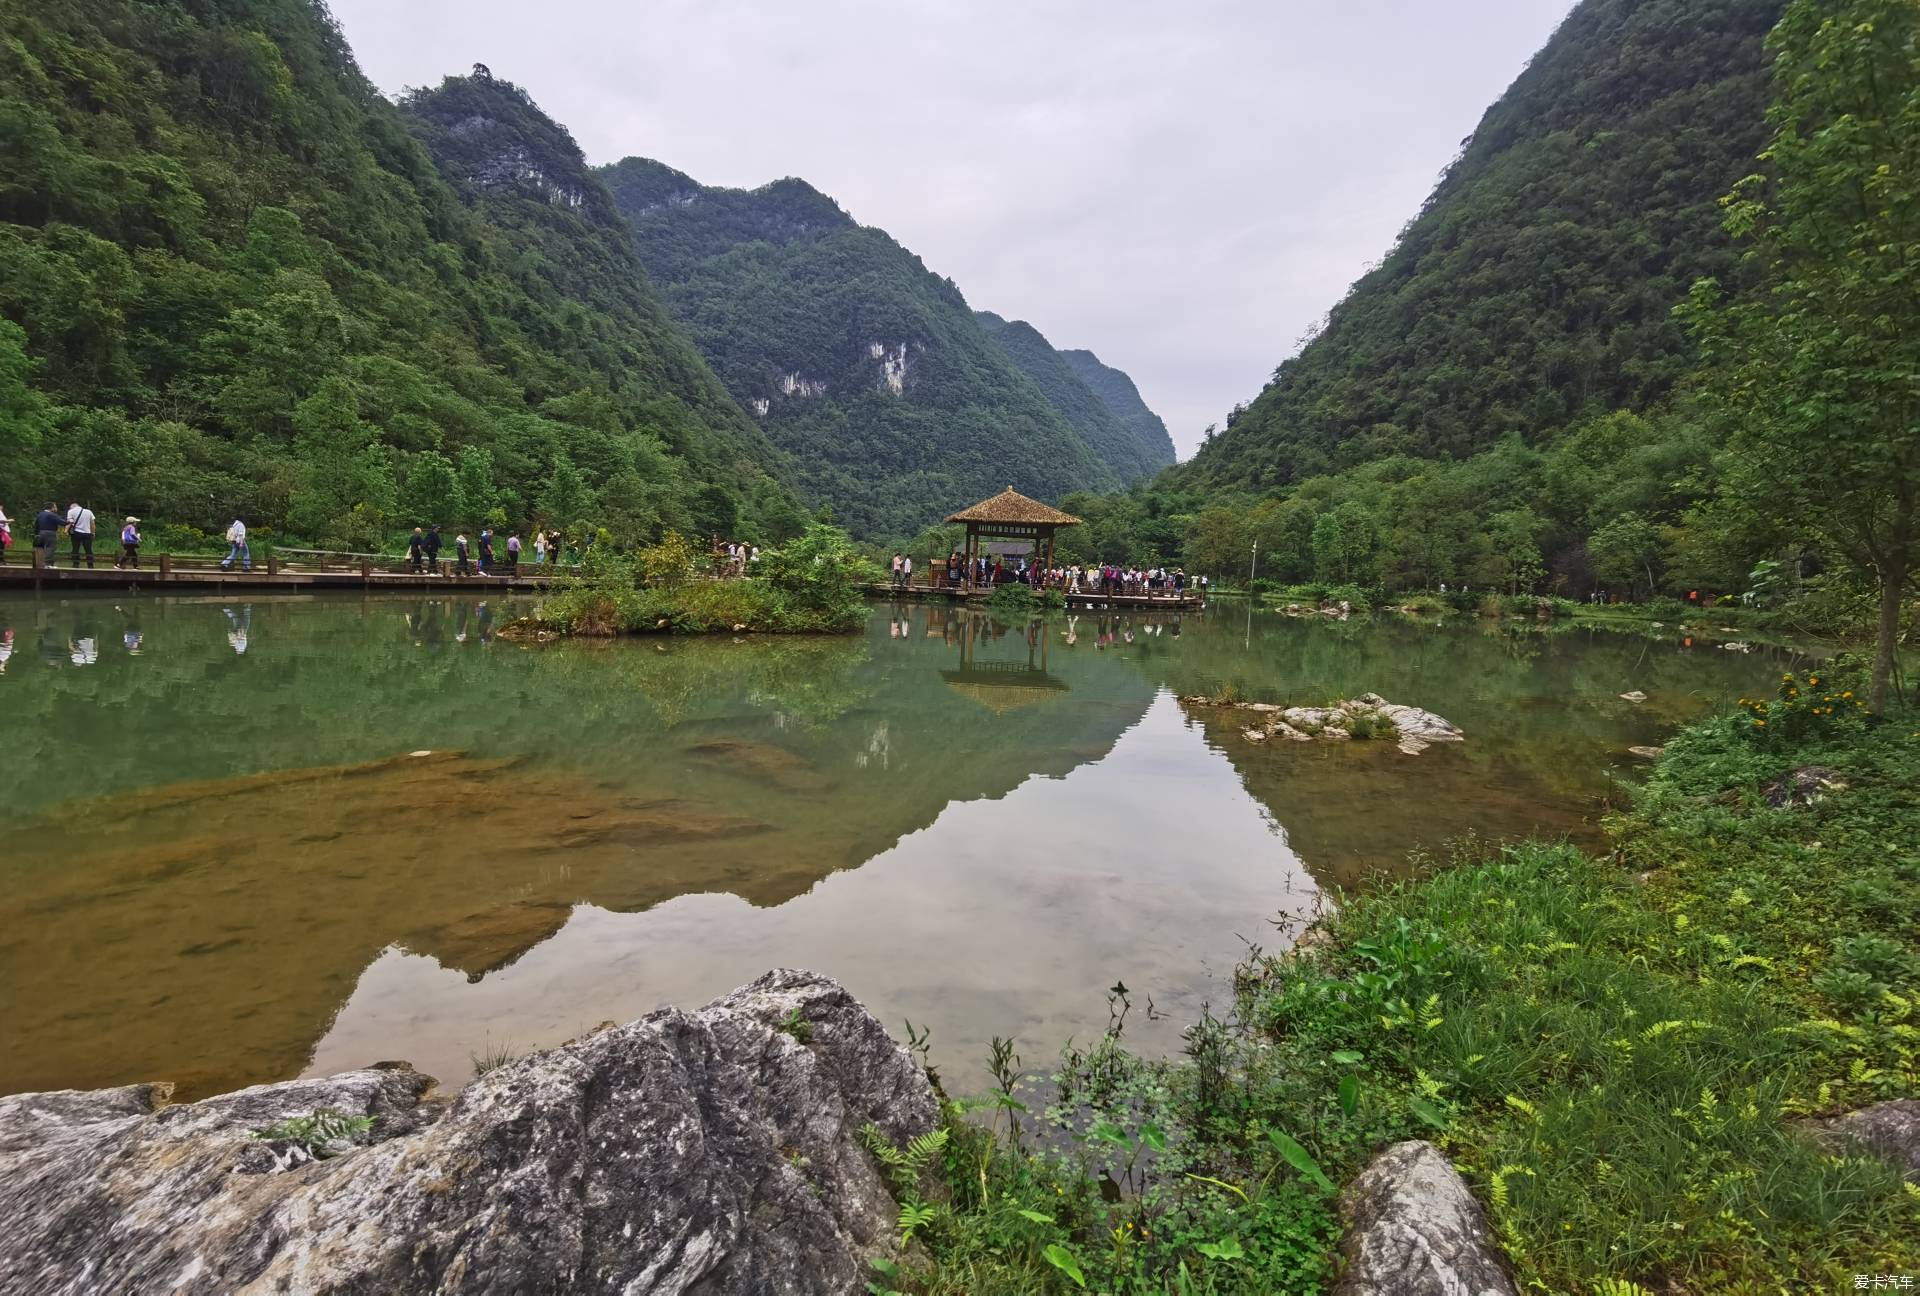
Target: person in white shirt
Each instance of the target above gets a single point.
(80, 532)
(237, 542)
(906, 571)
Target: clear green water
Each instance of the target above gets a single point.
(223, 867)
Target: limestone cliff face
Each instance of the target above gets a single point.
(893, 402)
(684, 1151)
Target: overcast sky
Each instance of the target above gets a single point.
(1182, 186)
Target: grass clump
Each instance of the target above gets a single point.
(1618, 1053)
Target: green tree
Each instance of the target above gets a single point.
(1625, 549)
(565, 498)
(474, 492)
(1343, 544)
(1217, 543)
(1819, 375)
(431, 488)
(1514, 535)
(23, 411)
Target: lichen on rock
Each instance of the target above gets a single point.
(705, 1151)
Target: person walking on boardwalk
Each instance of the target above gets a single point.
(513, 554)
(129, 544)
(6, 535)
(80, 532)
(896, 569)
(237, 548)
(46, 533)
(460, 567)
(906, 572)
(486, 551)
(416, 551)
(432, 546)
(539, 547)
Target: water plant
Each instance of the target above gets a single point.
(491, 1057)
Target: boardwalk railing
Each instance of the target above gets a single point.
(275, 566)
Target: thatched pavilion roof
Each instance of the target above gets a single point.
(1011, 507)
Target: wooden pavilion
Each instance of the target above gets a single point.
(1011, 516)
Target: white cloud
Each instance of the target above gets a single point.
(1182, 188)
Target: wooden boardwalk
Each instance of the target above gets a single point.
(1184, 602)
(167, 574)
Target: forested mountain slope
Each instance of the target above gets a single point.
(866, 368)
(1120, 396)
(1537, 284)
(232, 280)
(1118, 442)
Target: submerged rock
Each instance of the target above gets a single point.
(1413, 730)
(1414, 1229)
(758, 760)
(1635, 696)
(704, 1151)
(1648, 753)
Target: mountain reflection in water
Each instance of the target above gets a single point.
(234, 864)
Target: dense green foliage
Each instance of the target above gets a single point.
(811, 585)
(1121, 397)
(870, 371)
(1817, 379)
(1116, 440)
(1616, 1052)
(1751, 443)
(232, 280)
(1536, 285)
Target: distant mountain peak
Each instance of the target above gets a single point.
(778, 211)
(491, 136)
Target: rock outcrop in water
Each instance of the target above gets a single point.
(1366, 716)
(706, 1151)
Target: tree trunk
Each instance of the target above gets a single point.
(1893, 589)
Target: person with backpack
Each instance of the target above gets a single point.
(486, 551)
(129, 544)
(80, 532)
(416, 551)
(237, 548)
(460, 567)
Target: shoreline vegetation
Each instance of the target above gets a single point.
(1715, 621)
(1621, 1053)
(811, 585)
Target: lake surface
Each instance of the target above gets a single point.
(251, 840)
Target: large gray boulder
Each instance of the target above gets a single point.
(1414, 1229)
(1890, 1130)
(687, 1151)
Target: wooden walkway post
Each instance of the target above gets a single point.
(166, 566)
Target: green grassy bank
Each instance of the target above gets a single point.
(1614, 1051)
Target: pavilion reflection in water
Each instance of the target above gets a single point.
(998, 683)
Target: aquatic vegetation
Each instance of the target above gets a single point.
(491, 1057)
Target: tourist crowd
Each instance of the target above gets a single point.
(1072, 578)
